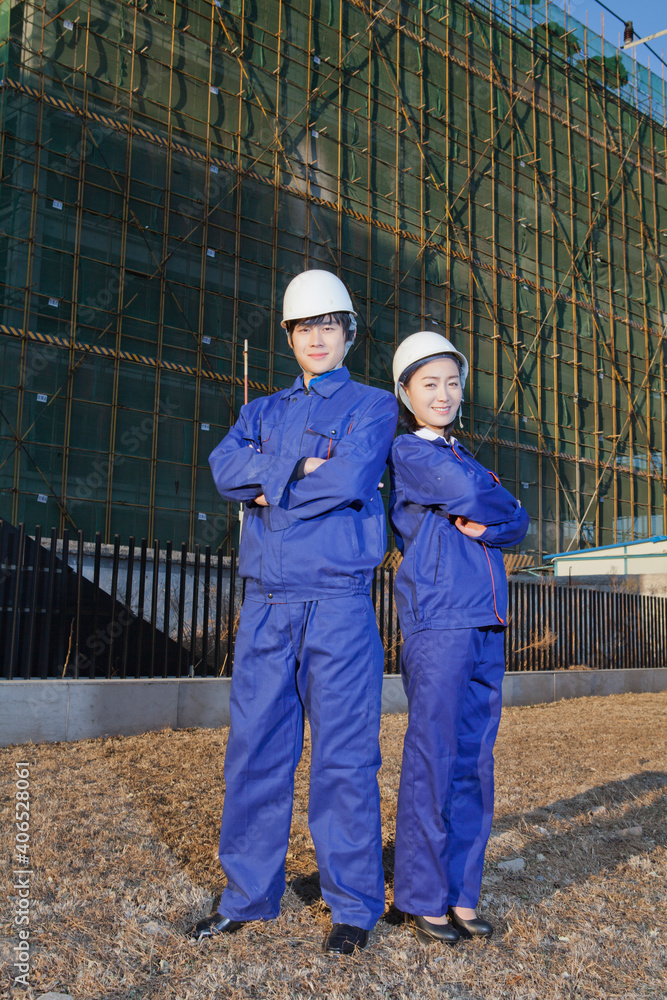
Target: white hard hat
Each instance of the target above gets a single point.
(423, 346)
(315, 293)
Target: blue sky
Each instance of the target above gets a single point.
(647, 16)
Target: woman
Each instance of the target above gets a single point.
(450, 516)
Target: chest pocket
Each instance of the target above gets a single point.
(269, 436)
(325, 435)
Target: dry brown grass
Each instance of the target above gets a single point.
(124, 852)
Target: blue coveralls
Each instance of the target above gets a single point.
(307, 639)
(451, 598)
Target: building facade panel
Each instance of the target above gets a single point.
(495, 171)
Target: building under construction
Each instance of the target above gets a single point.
(490, 169)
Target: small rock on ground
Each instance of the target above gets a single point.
(513, 865)
(151, 927)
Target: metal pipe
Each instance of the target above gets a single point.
(245, 400)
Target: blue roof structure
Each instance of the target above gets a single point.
(601, 548)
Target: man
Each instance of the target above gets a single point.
(307, 461)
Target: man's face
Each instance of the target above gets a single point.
(318, 348)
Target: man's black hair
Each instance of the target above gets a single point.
(344, 318)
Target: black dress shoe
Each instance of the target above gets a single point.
(428, 933)
(212, 926)
(344, 938)
(470, 928)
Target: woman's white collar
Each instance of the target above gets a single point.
(429, 435)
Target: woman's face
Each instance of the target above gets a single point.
(435, 393)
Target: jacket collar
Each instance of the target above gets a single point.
(428, 435)
(323, 386)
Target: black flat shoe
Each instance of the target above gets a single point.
(470, 928)
(428, 933)
(212, 926)
(344, 938)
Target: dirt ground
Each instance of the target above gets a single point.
(123, 856)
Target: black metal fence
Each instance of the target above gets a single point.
(74, 609)
(555, 625)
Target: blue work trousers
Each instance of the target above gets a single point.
(325, 657)
(453, 681)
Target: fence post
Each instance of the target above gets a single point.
(218, 614)
(207, 597)
(181, 605)
(141, 599)
(390, 623)
(97, 560)
(129, 581)
(230, 614)
(34, 591)
(48, 611)
(14, 642)
(195, 609)
(167, 607)
(79, 582)
(154, 600)
(383, 631)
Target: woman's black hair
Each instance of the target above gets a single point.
(407, 421)
(344, 318)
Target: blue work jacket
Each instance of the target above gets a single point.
(323, 533)
(447, 580)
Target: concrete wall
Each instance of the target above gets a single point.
(50, 711)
